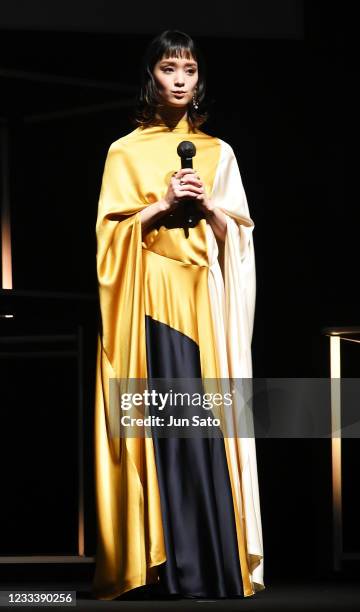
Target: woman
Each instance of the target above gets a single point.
(181, 514)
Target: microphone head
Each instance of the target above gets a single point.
(186, 149)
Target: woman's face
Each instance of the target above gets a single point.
(176, 79)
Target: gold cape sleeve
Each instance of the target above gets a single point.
(130, 542)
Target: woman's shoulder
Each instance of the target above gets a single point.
(123, 141)
(225, 146)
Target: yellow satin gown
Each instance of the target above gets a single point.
(159, 279)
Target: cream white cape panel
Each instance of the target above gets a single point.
(232, 288)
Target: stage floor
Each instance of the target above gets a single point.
(324, 595)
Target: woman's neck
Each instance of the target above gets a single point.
(170, 116)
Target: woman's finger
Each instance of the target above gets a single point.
(186, 171)
(189, 180)
(181, 193)
(192, 186)
(187, 194)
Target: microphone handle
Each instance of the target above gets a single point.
(190, 210)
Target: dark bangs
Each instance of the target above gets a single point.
(171, 43)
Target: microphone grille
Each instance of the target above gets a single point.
(186, 149)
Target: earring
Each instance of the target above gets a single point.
(195, 102)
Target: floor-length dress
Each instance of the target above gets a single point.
(183, 513)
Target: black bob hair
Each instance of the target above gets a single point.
(170, 43)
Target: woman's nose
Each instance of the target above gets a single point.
(179, 80)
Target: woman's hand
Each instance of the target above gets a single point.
(184, 185)
(181, 187)
(215, 217)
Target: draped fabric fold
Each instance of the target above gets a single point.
(129, 527)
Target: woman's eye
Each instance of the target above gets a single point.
(168, 68)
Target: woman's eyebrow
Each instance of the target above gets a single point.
(169, 61)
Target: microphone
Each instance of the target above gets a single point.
(186, 151)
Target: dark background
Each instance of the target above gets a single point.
(68, 79)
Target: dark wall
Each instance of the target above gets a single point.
(247, 18)
(274, 102)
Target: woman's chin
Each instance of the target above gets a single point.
(176, 104)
